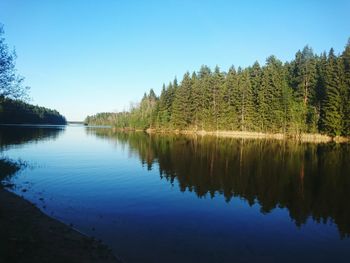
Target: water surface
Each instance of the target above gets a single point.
(189, 199)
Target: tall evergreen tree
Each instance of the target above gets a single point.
(181, 112)
(346, 96)
(216, 89)
(274, 83)
(304, 85)
(165, 105)
(229, 115)
(245, 101)
(309, 94)
(331, 110)
(255, 80)
(202, 97)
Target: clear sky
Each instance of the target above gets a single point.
(84, 57)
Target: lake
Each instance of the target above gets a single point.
(172, 198)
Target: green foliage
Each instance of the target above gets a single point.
(11, 84)
(19, 112)
(308, 94)
(346, 90)
(12, 91)
(181, 113)
(331, 111)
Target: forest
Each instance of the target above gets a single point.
(13, 94)
(19, 112)
(310, 94)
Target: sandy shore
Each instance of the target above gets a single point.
(28, 235)
(303, 137)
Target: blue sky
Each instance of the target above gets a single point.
(83, 57)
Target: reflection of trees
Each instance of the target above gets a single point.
(8, 168)
(310, 180)
(13, 135)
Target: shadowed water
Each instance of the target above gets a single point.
(162, 198)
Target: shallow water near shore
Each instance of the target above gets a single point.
(172, 198)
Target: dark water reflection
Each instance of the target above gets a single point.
(11, 135)
(310, 180)
(163, 198)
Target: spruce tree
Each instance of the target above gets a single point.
(165, 104)
(202, 97)
(274, 82)
(255, 80)
(216, 89)
(263, 100)
(229, 112)
(303, 80)
(346, 96)
(181, 112)
(331, 109)
(245, 101)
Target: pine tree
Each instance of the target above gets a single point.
(263, 100)
(244, 101)
(202, 97)
(181, 112)
(274, 83)
(346, 96)
(165, 104)
(229, 115)
(216, 88)
(255, 80)
(331, 110)
(311, 93)
(303, 80)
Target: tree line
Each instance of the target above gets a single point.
(13, 93)
(19, 112)
(309, 94)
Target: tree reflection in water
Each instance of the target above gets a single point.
(310, 180)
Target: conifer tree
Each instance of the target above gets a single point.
(309, 94)
(304, 85)
(255, 80)
(346, 96)
(229, 115)
(216, 88)
(275, 82)
(181, 112)
(202, 97)
(165, 105)
(245, 101)
(331, 110)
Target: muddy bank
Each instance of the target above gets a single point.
(28, 235)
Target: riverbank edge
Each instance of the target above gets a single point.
(302, 137)
(29, 235)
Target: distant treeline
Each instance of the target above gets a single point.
(18, 112)
(13, 110)
(308, 94)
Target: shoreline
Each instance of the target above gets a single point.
(303, 137)
(28, 235)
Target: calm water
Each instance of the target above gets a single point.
(181, 199)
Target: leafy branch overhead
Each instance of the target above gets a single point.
(11, 83)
